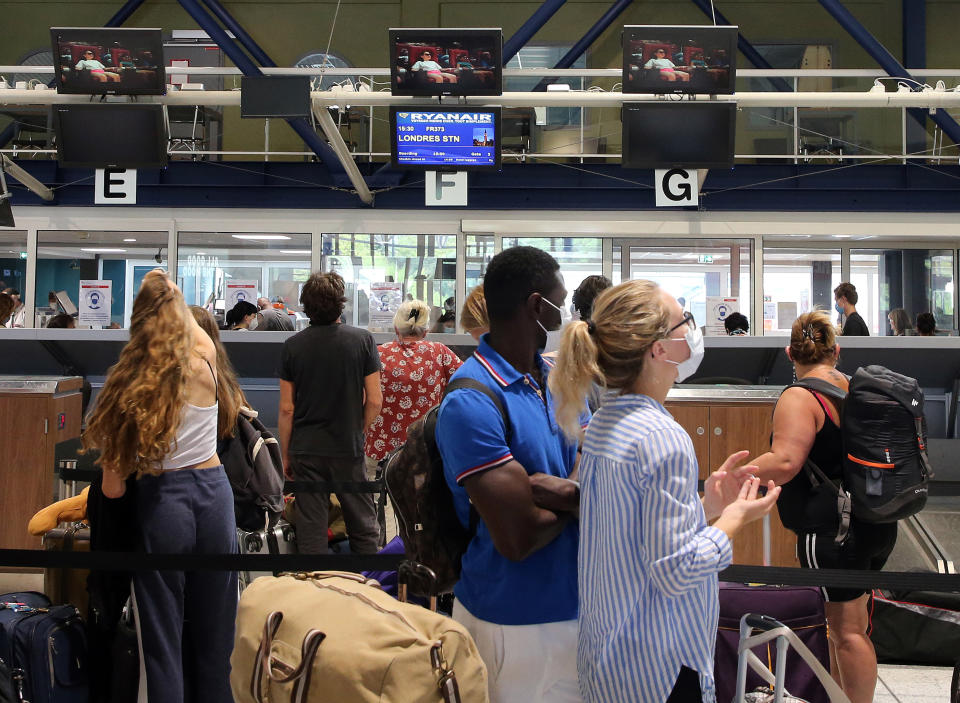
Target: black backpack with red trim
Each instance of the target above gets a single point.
(886, 471)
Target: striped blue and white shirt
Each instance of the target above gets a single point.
(648, 560)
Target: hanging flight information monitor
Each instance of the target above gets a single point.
(462, 139)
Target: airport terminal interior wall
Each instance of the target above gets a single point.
(289, 29)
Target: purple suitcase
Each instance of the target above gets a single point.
(798, 607)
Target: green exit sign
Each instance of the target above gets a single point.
(23, 255)
(705, 259)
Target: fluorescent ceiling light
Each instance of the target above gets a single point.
(260, 236)
(130, 240)
(201, 253)
(103, 250)
(294, 251)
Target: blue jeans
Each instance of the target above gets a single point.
(186, 620)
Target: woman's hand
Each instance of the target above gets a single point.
(747, 507)
(722, 487)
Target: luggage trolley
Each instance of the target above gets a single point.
(771, 629)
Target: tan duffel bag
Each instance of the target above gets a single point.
(338, 638)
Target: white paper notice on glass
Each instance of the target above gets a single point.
(240, 290)
(385, 299)
(718, 309)
(95, 302)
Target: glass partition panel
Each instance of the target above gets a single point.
(424, 266)
(13, 271)
(578, 257)
(796, 281)
(479, 253)
(273, 266)
(917, 280)
(699, 273)
(67, 257)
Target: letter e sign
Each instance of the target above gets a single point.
(115, 186)
(676, 187)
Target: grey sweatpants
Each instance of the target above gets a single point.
(359, 510)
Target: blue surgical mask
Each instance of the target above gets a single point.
(838, 307)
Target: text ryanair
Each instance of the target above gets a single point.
(462, 117)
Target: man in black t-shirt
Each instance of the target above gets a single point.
(329, 396)
(845, 297)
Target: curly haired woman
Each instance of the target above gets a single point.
(156, 418)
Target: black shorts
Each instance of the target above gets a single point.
(866, 548)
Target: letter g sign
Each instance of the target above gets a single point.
(676, 187)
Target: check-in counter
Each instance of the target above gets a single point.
(722, 420)
(36, 412)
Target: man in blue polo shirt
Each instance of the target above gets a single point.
(517, 593)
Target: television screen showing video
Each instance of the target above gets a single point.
(118, 61)
(446, 61)
(678, 134)
(110, 135)
(445, 139)
(696, 59)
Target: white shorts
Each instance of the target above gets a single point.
(526, 663)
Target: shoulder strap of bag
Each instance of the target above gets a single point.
(473, 384)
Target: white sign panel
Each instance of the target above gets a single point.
(240, 290)
(385, 299)
(718, 310)
(446, 189)
(115, 186)
(95, 300)
(676, 187)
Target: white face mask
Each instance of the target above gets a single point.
(554, 336)
(253, 323)
(688, 367)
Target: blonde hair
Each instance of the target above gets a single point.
(138, 411)
(609, 349)
(813, 339)
(412, 318)
(230, 397)
(473, 315)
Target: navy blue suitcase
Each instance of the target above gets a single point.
(45, 648)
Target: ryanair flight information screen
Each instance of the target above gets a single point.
(448, 138)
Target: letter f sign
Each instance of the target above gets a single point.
(446, 189)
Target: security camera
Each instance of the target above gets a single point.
(157, 257)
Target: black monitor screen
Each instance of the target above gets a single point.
(109, 135)
(691, 134)
(445, 139)
(95, 60)
(275, 96)
(6, 213)
(446, 61)
(697, 59)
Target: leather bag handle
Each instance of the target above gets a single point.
(264, 662)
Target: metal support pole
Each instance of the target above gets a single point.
(587, 39)
(914, 14)
(512, 46)
(343, 153)
(300, 125)
(883, 57)
(35, 186)
(227, 20)
(746, 48)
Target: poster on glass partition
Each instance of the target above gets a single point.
(95, 302)
(240, 290)
(718, 309)
(385, 299)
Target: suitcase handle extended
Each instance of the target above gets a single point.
(785, 638)
(264, 663)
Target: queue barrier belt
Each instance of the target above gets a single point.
(139, 561)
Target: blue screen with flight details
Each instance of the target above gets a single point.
(446, 138)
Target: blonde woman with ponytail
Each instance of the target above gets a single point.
(648, 558)
(414, 374)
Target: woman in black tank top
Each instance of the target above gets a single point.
(805, 426)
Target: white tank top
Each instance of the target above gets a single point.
(196, 439)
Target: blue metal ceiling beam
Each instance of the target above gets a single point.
(300, 125)
(886, 60)
(746, 48)
(227, 20)
(587, 39)
(121, 16)
(512, 46)
(914, 14)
